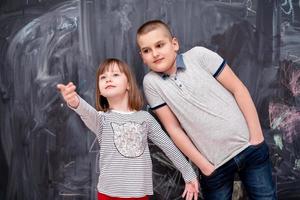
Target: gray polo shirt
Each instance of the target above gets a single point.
(205, 109)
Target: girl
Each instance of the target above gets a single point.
(122, 129)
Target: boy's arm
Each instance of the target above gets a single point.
(182, 141)
(241, 94)
(160, 138)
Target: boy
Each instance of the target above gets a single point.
(197, 94)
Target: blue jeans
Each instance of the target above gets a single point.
(254, 169)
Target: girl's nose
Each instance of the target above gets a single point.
(108, 80)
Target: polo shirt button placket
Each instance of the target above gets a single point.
(182, 88)
(178, 83)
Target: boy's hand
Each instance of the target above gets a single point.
(69, 94)
(191, 190)
(256, 140)
(207, 169)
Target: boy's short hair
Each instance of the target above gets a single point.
(152, 25)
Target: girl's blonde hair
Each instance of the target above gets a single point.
(135, 99)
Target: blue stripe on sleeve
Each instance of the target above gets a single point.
(220, 69)
(156, 107)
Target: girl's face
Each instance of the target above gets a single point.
(113, 83)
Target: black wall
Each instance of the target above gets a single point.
(45, 150)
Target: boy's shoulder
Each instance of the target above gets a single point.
(196, 51)
(151, 77)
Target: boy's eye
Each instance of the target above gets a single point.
(159, 45)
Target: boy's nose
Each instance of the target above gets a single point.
(155, 53)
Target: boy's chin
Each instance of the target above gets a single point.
(159, 69)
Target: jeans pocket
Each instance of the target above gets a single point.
(210, 175)
(259, 153)
(220, 177)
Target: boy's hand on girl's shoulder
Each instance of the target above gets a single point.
(69, 94)
(191, 190)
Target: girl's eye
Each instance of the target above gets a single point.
(145, 51)
(116, 74)
(102, 77)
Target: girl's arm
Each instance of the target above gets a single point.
(89, 115)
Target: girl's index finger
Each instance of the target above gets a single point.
(61, 87)
(70, 84)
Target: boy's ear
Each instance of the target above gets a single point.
(142, 56)
(175, 43)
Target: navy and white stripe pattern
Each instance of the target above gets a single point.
(125, 162)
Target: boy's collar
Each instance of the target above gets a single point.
(179, 62)
(179, 66)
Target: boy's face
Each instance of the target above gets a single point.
(158, 50)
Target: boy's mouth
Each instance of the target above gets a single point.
(158, 60)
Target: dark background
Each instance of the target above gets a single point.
(46, 152)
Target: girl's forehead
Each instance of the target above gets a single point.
(112, 68)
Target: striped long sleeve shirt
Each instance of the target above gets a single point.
(125, 162)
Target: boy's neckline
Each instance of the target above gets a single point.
(122, 112)
(179, 65)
